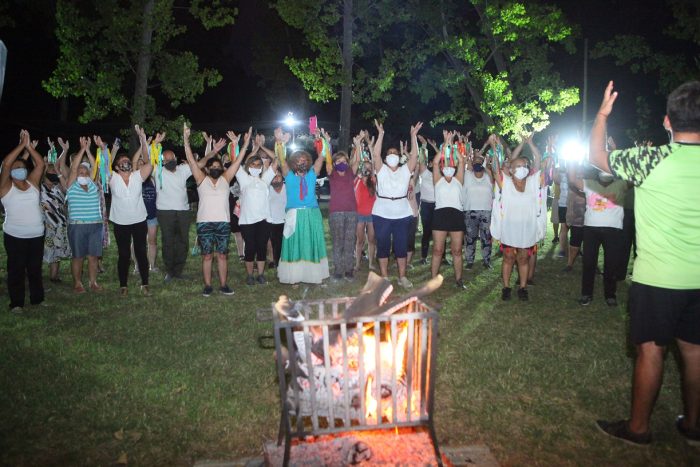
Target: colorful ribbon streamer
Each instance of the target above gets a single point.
(52, 156)
(103, 163)
(155, 152)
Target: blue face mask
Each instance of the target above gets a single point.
(341, 166)
(478, 167)
(19, 173)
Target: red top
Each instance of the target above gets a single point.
(342, 199)
(365, 201)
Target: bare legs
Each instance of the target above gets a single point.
(152, 238)
(511, 256)
(222, 266)
(77, 272)
(360, 243)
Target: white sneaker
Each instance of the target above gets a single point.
(405, 283)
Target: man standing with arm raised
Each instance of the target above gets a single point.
(665, 293)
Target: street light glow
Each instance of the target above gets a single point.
(290, 121)
(573, 150)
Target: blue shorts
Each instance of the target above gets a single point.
(85, 239)
(386, 230)
(152, 222)
(213, 237)
(365, 219)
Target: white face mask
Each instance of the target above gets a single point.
(255, 172)
(392, 160)
(83, 180)
(448, 171)
(521, 172)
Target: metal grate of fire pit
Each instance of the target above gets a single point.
(336, 370)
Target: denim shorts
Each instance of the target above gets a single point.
(365, 219)
(152, 222)
(85, 239)
(213, 237)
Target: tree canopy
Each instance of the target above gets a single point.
(118, 57)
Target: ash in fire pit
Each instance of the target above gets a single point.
(354, 364)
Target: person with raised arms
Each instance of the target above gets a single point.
(664, 299)
(304, 257)
(23, 229)
(213, 216)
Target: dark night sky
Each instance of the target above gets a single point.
(238, 100)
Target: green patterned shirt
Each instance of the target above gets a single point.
(667, 212)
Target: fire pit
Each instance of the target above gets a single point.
(340, 374)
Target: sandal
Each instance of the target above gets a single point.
(79, 289)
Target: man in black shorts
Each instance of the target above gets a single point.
(665, 293)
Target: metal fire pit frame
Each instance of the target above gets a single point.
(327, 315)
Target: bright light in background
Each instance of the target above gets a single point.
(573, 150)
(290, 121)
(293, 146)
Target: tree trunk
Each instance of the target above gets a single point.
(143, 67)
(346, 90)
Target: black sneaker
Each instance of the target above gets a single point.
(691, 435)
(250, 280)
(567, 269)
(487, 265)
(349, 276)
(469, 265)
(226, 290)
(424, 261)
(611, 301)
(459, 283)
(555, 240)
(522, 294)
(208, 290)
(585, 300)
(262, 280)
(621, 431)
(505, 293)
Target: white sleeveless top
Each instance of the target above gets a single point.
(23, 215)
(519, 225)
(213, 200)
(392, 184)
(427, 188)
(448, 194)
(127, 200)
(478, 192)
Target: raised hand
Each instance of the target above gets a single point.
(378, 126)
(141, 135)
(207, 137)
(233, 137)
(247, 136)
(64, 144)
(422, 140)
(50, 143)
(98, 141)
(448, 136)
(24, 139)
(416, 128)
(186, 133)
(281, 136)
(160, 137)
(219, 144)
(84, 143)
(608, 100)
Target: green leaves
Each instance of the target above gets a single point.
(99, 51)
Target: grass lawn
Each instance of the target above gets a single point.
(176, 377)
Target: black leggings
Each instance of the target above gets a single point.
(276, 233)
(24, 257)
(125, 234)
(255, 237)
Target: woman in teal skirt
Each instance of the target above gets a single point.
(304, 257)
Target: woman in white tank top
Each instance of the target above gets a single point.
(447, 218)
(23, 229)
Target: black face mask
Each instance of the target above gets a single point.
(170, 165)
(53, 178)
(478, 167)
(215, 173)
(125, 166)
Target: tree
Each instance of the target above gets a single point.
(117, 57)
(474, 61)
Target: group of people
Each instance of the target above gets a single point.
(268, 196)
(57, 207)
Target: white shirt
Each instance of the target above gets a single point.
(127, 202)
(277, 202)
(213, 200)
(392, 184)
(427, 189)
(478, 192)
(563, 190)
(254, 192)
(23, 215)
(520, 209)
(604, 204)
(448, 194)
(172, 192)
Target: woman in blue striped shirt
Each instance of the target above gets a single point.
(84, 220)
